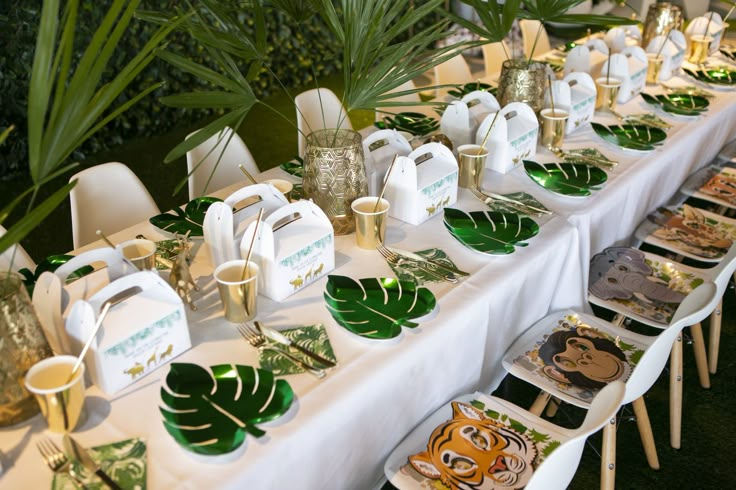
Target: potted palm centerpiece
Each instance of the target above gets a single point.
(378, 55)
(523, 79)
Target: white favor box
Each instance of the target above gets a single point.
(137, 336)
(586, 58)
(292, 256)
(512, 138)
(673, 53)
(423, 183)
(379, 149)
(461, 118)
(629, 66)
(715, 26)
(225, 222)
(619, 38)
(576, 95)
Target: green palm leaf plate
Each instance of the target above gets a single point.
(209, 412)
(678, 104)
(377, 308)
(490, 232)
(411, 122)
(50, 264)
(637, 137)
(713, 76)
(294, 166)
(188, 220)
(567, 179)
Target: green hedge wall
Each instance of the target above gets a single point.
(290, 55)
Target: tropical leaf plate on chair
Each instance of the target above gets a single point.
(631, 136)
(377, 308)
(294, 167)
(462, 90)
(210, 411)
(678, 104)
(567, 179)
(188, 220)
(411, 122)
(490, 232)
(713, 76)
(50, 264)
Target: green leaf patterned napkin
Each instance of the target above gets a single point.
(312, 337)
(588, 156)
(501, 207)
(407, 271)
(124, 461)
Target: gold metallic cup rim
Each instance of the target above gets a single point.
(250, 283)
(282, 185)
(368, 233)
(470, 156)
(142, 262)
(43, 394)
(554, 124)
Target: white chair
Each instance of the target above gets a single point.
(515, 449)
(318, 109)
(494, 54)
(694, 8)
(107, 197)
(381, 111)
(202, 161)
(572, 355)
(529, 31)
(15, 257)
(454, 71)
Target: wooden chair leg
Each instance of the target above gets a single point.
(540, 403)
(608, 456)
(552, 407)
(645, 432)
(714, 339)
(700, 358)
(676, 393)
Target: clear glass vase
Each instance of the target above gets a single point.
(334, 175)
(22, 344)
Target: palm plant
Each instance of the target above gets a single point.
(67, 105)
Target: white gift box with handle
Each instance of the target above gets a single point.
(512, 138)
(715, 26)
(137, 336)
(629, 66)
(576, 95)
(586, 58)
(422, 184)
(379, 149)
(295, 246)
(461, 119)
(226, 221)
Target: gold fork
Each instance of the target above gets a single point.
(396, 259)
(257, 340)
(57, 460)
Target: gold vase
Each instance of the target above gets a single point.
(334, 175)
(22, 344)
(661, 18)
(521, 81)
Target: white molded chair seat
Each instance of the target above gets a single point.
(201, 163)
(529, 30)
(517, 459)
(494, 54)
(572, 355)
(15, 255)
(107, 197)
(454, 71)
(318, 109)
(427, 110)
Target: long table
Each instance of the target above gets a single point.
(342, 428)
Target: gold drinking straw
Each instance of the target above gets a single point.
(102, 235)
(385, 182)
(249, 176)
(551, 97)
(667, 38)
(483, 143)
(250, 249)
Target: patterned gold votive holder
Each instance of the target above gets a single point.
(140, 252)
(605, 99)
(472, 162)
(370, 225)
(61, 400)
(554, 123)
(654, 68)
(283, 186)
(238, 291)
(698, 49)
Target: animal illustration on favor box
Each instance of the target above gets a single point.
(308, 275)
(722, 186)
(166, 353)
(180, 277)
(318, 270)
(152, 359)
(135, 371)
(445, 201)
(297, 283)
(694, 234)
(473, 451)
(431, 210)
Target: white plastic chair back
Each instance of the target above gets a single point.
(409, 98)
(318, 109)
(453, 71)
(722, 273)
(695, 8)
(15, 256)
(107, 197)
(529, 29)
(494, 54)
(558, 469)
(201, 162)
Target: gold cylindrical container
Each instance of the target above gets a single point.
(472, 163)
(553, 128)
(607, 93)
(521, 81)
(654, 68)
(370, 221)
(22, 344)
(334, 174)
(698, 49)
(140, 252)
(283, 186)
(661, 18)
(61, 399)
(238, 291)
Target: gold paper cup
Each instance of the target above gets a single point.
(472, 162)
(553, 127)
(370, 226)
(61, 402)
(140, 252)
(698, 49)
(238, 291)
(283, 186)
(608, 88)
(654, 68)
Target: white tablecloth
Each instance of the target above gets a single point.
(342, 428)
